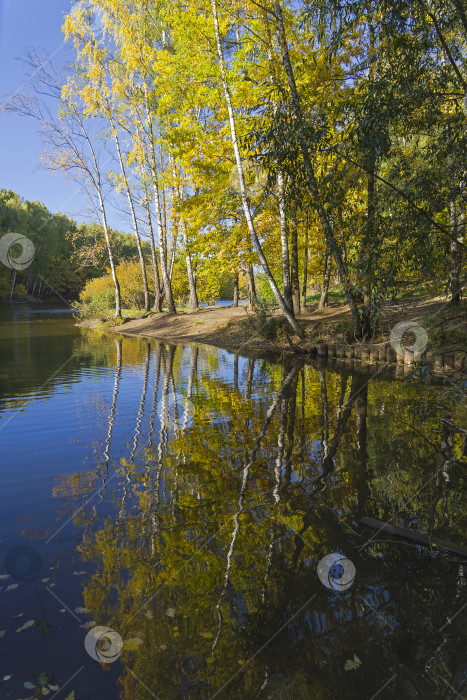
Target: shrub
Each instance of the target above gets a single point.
(264, 324)
(5, 288)
(19, 291)
(97, 300)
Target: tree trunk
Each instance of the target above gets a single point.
(286, 283)
(13, 282)
(160, 227)
(305, 266)
(245, 202)
(194, 303)
(235, 291)
(250, 276)
(294, 268)
(326, 280)
(311, 177)
(118, 302)
(134, 219)
(157, 282)
(457, 230)
(457, 246)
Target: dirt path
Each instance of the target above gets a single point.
(200, 326)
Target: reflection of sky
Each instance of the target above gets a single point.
(65, 433)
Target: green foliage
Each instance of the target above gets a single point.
(263, 291)
(97, 300)
(265, 325)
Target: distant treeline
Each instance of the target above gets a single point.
(66, 254)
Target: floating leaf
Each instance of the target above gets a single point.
(352, 664)
(88, 624)
(79, 573)
(81, 610)
(2, 576)
(207, 635)
(2, 633)
(11, 587)
(170, 612)
(43, 678)
(27, 624)
(44, 580)
(132, 644)
(54, 687)
(45, 691)
(7, 678)
(29, 685)
(71, 696)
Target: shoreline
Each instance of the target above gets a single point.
(236, 329)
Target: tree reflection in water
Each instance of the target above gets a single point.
(242, 475)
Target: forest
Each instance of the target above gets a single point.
(286, 148)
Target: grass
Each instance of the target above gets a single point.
(334, 295)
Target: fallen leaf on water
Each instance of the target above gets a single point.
(207, 635)
(53, 687)
(45, 691)
(132, 644)
(7, 678)
(27, 624)
(81, 610)
(2, 576)
(11, 586)
(71, 696)
(78, 573)
(88, 624)
(170, 612)
(2, 633)
(29, 685)
(44, 580)
(352, 664)
(43, 678)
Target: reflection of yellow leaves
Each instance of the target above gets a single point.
(206, 635)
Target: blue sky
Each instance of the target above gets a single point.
(23, 24)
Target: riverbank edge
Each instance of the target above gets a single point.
(228, 336)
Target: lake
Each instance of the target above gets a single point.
(183, 522)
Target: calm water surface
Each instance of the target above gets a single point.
(184, 497)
